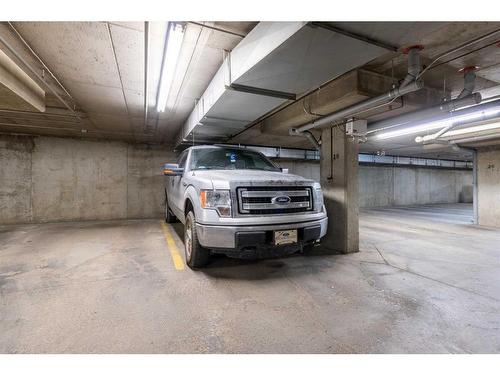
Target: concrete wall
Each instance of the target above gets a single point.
(400, 186)
(488, 187)
(15, 179)
(46, 179)
(307, 169)
(404, 186)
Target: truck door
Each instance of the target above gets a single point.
(176, 191)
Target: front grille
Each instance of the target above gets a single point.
(274, 200)
(304, 198)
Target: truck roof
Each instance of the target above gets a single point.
(219, 146)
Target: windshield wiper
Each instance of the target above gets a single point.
(261, 169)
(208, 168)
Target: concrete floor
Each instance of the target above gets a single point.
(425, 281)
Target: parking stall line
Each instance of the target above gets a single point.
(172, 246)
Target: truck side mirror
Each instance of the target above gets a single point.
(172, 170)
(284, 170)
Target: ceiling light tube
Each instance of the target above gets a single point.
(415, 129)
(438, 124)
(472, 129)
(175, 34)
(460, 120)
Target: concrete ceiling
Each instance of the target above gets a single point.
(101, 66)
(443, 80)
(201, 56)
(439, 37)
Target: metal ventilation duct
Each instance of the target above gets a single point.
(273, 64)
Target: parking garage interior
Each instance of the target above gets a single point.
(398, 121)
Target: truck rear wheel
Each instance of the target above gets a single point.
(196, 255)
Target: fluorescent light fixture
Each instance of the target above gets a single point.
(175, 33)
(438, 124)
(472, 129)
(415, 129)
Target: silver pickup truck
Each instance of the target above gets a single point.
(235, 201)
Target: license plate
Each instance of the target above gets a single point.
(283, 237)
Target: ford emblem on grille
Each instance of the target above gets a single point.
(282, 199)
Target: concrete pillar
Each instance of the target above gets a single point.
(474, 188)
(488, 186)
(339, 182)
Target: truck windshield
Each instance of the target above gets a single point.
(229, 158)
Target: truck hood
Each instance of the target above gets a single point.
(222, 179)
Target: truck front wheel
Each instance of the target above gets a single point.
(196, 255)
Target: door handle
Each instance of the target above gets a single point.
(184, 183)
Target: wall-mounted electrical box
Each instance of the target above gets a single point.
(356, 128)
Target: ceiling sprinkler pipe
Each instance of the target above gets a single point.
(487, 111)
(413, 64)
(458, 148)
(409, 85)
(361, 107)
(478, 138)
(469, 82)
(424, 114)
(312, 139)
(308, 135)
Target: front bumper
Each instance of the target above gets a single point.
(231, 238)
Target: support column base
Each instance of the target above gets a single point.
(339, 182)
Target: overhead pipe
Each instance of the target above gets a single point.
(312, 139)
(413, 64)
(456, 49)
(490, 111)
(309, 136)
(465, 95)
(361, 107)
(466, 98)
(458, 148)
(456, 145)
(427, 138)
(469, 82)
(423, 114)
(478, 138)
(146, 71)
(375, 102)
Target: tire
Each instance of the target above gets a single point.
(196, 255)
(169, 216)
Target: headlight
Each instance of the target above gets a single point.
(219, 200)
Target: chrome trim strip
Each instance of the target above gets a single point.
(274, 206)
(274, 193)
